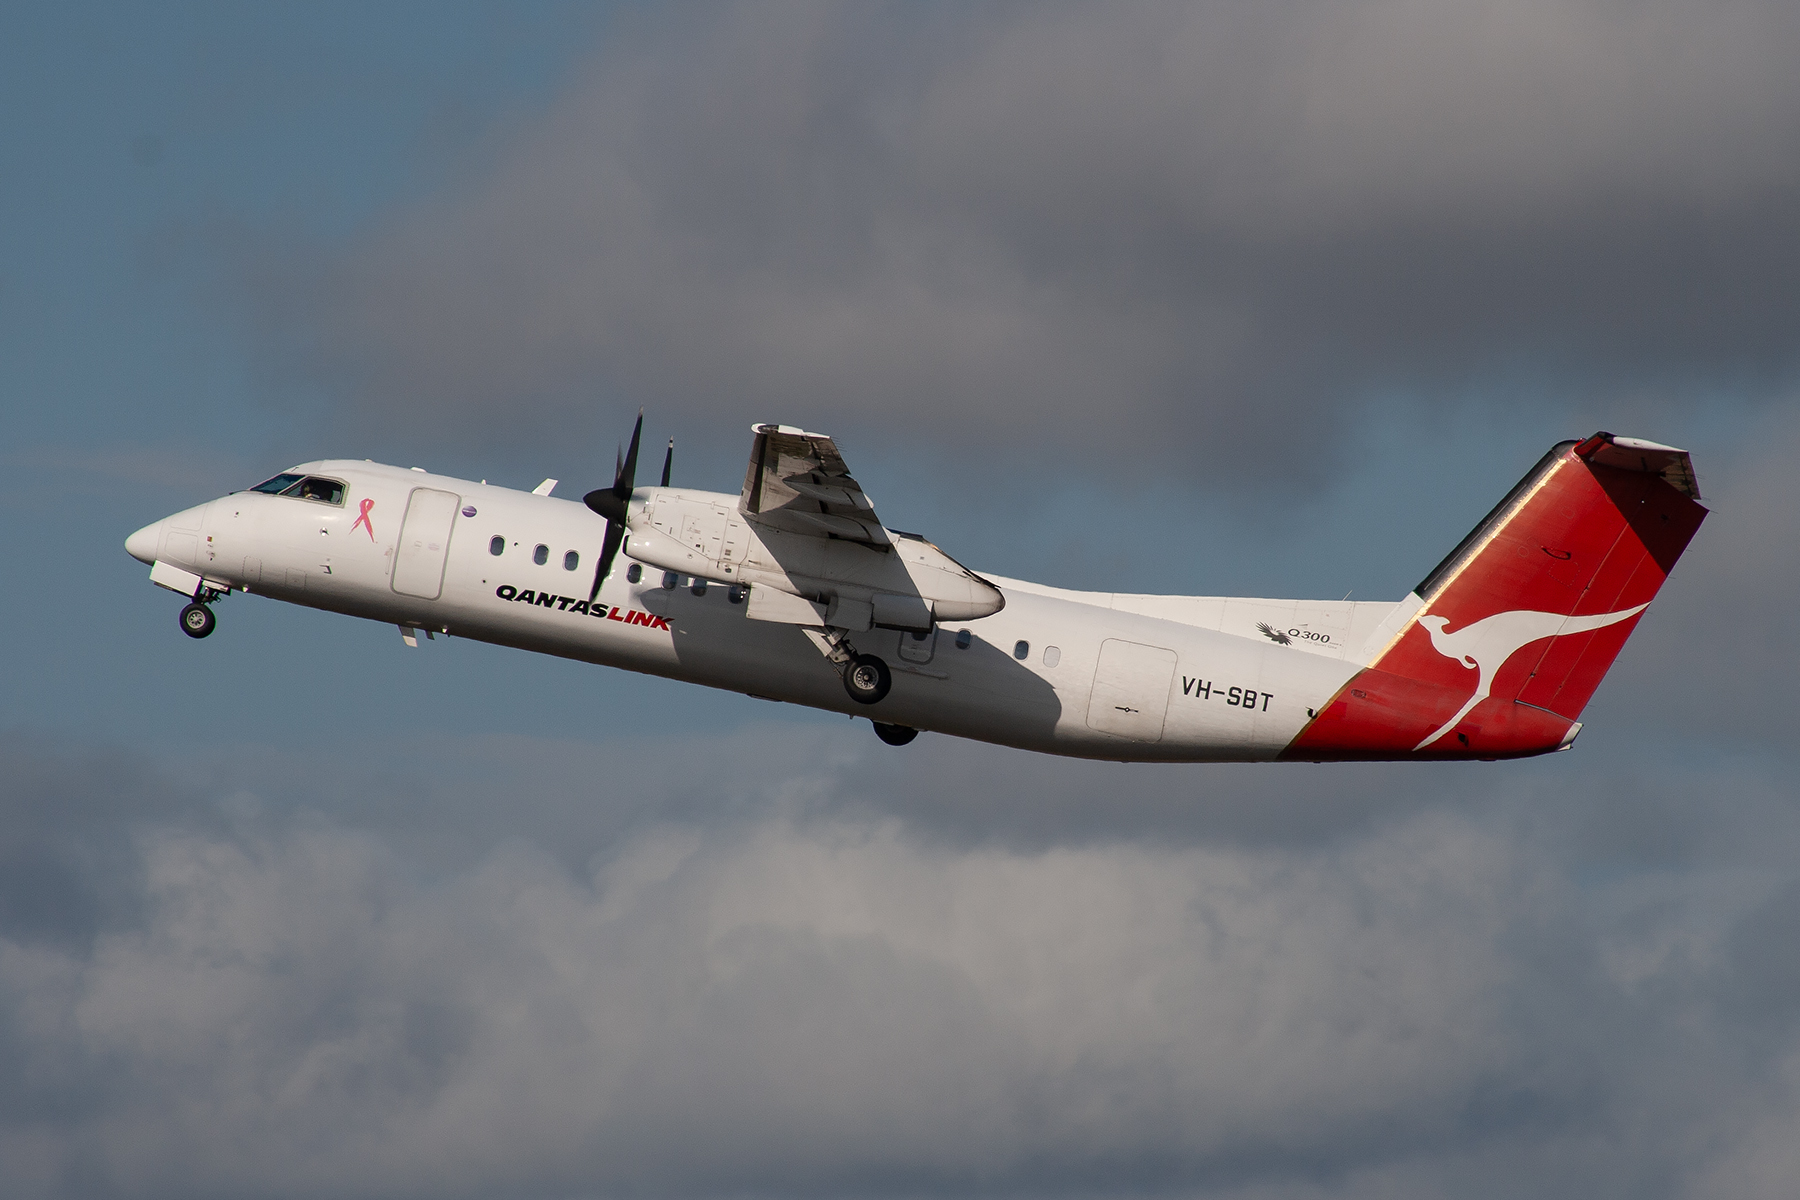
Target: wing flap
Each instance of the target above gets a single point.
(800, 482)
(782, 608)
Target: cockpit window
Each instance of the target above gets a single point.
(306, 487)
(326, 491)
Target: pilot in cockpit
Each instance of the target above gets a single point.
(310, 487)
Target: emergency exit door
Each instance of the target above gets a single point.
(424, 543)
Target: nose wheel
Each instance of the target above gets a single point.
(197, 620)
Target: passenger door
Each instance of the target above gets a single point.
(1131, 690)
(424, 543)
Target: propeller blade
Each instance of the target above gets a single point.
(668, 462)
(609, 550)
(611, 503)
(627, 476)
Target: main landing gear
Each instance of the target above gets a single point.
(197, 620)
(867, 679)
(894, 735)
(865, 676)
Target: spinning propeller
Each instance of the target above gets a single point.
(611, 503)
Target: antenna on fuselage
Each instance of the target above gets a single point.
(668, 462)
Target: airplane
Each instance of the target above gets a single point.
(794, 590)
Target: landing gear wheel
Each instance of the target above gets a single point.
(894, 735)
(867, 679)
(197, 620)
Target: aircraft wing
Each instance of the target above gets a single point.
(798, 481)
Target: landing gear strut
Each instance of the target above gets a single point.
(866, 677)
(197, 620)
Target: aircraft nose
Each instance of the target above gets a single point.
(143, 544)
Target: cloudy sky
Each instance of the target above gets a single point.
(1267, 299)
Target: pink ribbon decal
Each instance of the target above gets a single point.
(363, 518)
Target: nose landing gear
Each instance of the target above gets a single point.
(197, 620)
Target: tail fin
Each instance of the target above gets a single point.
(1497, 651)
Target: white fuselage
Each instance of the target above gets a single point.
(1089, 674)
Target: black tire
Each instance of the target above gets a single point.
(894, 735)
(867, 679)
(197, 620)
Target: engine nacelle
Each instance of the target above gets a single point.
(907, 584)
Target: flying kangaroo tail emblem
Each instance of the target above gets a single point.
(1486, 644)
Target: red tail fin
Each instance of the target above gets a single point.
(1513, 631)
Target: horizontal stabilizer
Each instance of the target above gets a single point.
(1672, 466)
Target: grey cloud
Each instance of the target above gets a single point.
(1200, 223)
(791, 991)
(66, 864)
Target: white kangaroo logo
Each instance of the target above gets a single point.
(1488, 643)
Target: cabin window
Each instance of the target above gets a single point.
(496, 545)
(670, 579)
(699, 588)
(634, 572)
(571, 560)
(963, 638)
(1021, 650)
(541, 555)
(1052, 656)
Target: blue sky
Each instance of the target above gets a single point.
(1185, 299)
